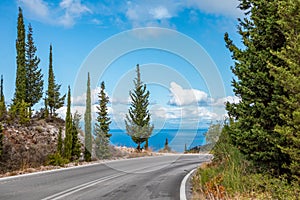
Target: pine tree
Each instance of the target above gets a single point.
(289, 79)
(102, 126)
(88, 123)
(68, 129)
(53, 99)
(20, 90)
(257, 114)
(59, 142)
(138, 118)
(2, 100)
(34, 81)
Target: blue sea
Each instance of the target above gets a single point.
(177, 138)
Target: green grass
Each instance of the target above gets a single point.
(231, 176)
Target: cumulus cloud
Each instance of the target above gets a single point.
(228, 8)
(65, 13)
(224, 100)
(183, 97)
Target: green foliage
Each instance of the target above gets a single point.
(231, 176)
(68, 129)
(2, 101)
(102, 126)
(289, 79)
(19, 111)
(20, 90)
(34, 76)
(53, 99)
(75, 143)
(257, 114)
(138, 118)
(59, 143)
(56, 160)
(76, 120)
(213, 133)
(88, 123)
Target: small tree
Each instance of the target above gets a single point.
(138, 118)
(166, 147)
(76, 120)
(102, 126)
(75, 143)
(53, 99)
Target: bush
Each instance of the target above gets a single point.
(57, 160)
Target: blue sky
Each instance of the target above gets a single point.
(183, 93)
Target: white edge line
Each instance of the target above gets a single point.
(183, 184)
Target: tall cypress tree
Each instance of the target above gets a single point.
(68, 129)
(138, 118)
(34, 81)
(20, 90)
(2, 100)
(88, 122)
(102, 126)
(53, 99)
(257, 115)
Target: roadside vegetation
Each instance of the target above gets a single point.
(257, 154)
(30, 139)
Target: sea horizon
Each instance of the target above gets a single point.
(177, 138)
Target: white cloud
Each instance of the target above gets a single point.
(183, 97)
(36, 7)
(65, 13)
(224, 100)
(160, 12)
(217, 7)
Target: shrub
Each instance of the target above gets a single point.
(56, 160)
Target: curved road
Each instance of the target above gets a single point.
(133, 179)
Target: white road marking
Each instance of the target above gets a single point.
(81, 187)
(182, 186)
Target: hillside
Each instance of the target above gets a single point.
(28, 146)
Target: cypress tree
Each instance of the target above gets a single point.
(88, 123)
(68, 129)
(76, 120)
(59, 142)
(20, 90)
(257, 114)
(102, 126)
(53, 99)
(34, 81)
(289, 78)
(75, 143)
(138, 118)
(2, 100)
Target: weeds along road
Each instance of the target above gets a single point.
(139, 178)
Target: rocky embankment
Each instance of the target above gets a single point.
(28, 146)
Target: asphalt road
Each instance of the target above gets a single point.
(133, 179)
